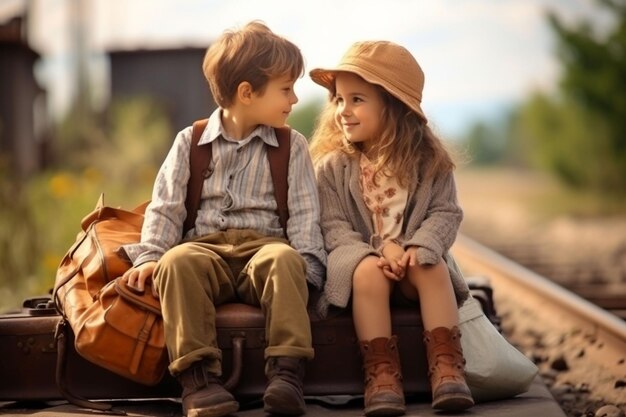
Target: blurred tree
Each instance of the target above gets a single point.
(40, 218)
(140, 136)
(19, 248)
(581, 135)
(485, 143)
(124, 145)
(303, 119)
(562, 137)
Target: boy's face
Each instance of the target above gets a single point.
(273, 106)
(359, 108)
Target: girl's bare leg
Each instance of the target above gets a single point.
(441, 336)
(383, 395)
(370, 300)
(432, 284)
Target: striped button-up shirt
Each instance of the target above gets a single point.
(239, 194)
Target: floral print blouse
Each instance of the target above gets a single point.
(386, 200)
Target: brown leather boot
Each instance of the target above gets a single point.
(384, 395)
(283, 394)
(446, 369)
(203, 394)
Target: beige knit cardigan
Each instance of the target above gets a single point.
(431, 221)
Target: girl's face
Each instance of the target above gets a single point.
(359, 109)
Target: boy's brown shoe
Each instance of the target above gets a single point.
(283, 394)
(203, 394)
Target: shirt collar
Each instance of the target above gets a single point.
(215, 129)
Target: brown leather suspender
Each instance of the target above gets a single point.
(200, 166)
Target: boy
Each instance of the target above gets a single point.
(237, 250)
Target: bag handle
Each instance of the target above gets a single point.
(143, 299)
(238, 341)
(101, 212)
(61, 335)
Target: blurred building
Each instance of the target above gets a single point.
(23, 113)
(173, 77)
(170, 76)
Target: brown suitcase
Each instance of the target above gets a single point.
(29, 359)
(29, 356)
(337, 367)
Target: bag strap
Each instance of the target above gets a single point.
(61, 334)
(279, 167)
(200, 169)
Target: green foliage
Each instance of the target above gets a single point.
(594, 66)
(563, 138)
(18, 240)
(582, 136)
(303, 118)
(485, 143)
(39, 219)
(140, 136)
(579, 135)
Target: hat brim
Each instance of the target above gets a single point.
(326, 78)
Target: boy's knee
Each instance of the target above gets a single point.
(176, 266)
(173, 257)
(285, 266)
(285, 254)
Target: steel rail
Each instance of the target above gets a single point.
(581, 330)
(468, 251)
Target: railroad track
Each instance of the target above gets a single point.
(610, 297)
(585, 276)
(576, 343)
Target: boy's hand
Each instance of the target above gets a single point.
(392, 255)
(137, 276)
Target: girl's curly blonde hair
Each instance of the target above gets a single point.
(406, 144)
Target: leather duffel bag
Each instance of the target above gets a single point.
(114, 327)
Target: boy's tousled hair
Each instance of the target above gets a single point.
(254, 54)
(406, 144)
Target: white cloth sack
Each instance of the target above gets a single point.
(494, 368)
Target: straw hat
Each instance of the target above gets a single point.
(383, 63)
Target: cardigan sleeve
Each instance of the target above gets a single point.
(338, 229)
(346, 247)
(438, 231)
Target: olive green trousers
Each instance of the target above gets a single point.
(196, 276)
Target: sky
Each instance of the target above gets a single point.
(480, 57)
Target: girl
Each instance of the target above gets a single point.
(389, 216)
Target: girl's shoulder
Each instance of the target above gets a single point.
(335, 159)
(336, 168)
(333, 164)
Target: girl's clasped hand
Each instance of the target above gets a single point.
(395, 261)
